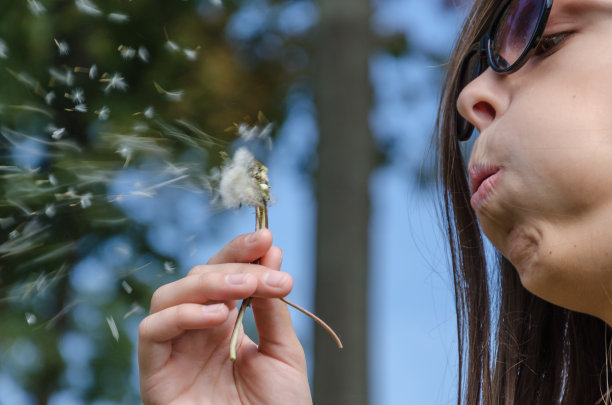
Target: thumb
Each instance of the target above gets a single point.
(274, 327)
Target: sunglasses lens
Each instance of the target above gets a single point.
(515, 31)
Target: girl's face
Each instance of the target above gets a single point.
(541, 167)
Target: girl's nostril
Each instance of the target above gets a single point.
(484, 111)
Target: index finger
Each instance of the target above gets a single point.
(245, 248)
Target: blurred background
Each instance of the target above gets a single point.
(114, 114)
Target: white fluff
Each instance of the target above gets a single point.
(237, 185)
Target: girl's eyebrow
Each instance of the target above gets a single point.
(569, 10)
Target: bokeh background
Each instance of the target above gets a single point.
(114, 113)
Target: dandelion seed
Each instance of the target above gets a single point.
(14, 234)
(125, 152)
(127, 52)
(103, 113)
(30, 318)
(143, 54)
(77, 96)
(115, 82)
(169, 267)
(128, 288)
(52, 180)
(255, 132)
(172, 46)
(50, 210)
(35, 7)
(136, 309)
(93, 71)
(3, 50)
(82, 108)
(66, 77)
(149, 112)
(87, 7)
(175, 95)
(62, 47)
(216, 3)
(85, 200)
(238, 184)
(118, 17)
(113, 327)
(191, 54)
(49, 97)
(57, 133)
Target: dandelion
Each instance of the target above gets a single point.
(241, 181)
(113, 327)
(35, 7)
(118, 18)
(104, 113)
(87, 7)
(62, 47)
(143, 54)
(116, 81)
(3, 50)
(127, 52)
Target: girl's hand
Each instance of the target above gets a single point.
(183, 345)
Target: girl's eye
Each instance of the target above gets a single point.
(549, 43)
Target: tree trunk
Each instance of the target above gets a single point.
(343, 93)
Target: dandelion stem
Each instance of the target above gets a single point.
(316, 319)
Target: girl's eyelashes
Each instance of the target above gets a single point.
(550, 43)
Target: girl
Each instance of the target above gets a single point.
(534, 80)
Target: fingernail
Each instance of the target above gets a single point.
(212, 308)
(275, 279)
(236, 279)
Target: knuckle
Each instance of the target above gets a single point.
(144, 328)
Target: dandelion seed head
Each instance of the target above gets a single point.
(118, 17)
(36, 8)
(87, 7)
(238, 184)
(143, 54)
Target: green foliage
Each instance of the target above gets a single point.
(58, 167)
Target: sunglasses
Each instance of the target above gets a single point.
(513, 35)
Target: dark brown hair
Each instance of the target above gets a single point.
(514, 348)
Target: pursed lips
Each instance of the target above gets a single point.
(479, 172)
